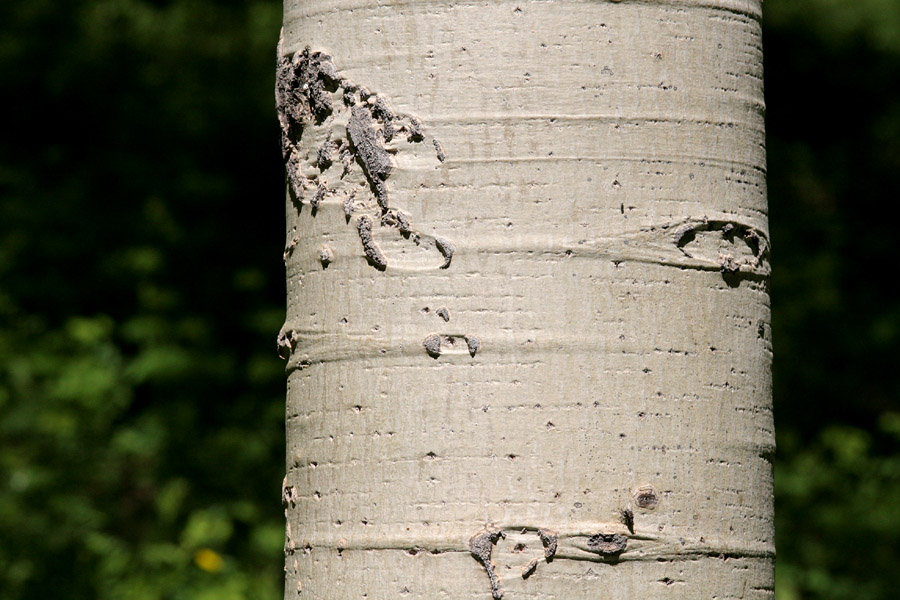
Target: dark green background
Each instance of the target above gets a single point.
(141, 287)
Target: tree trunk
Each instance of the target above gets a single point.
(528, 322)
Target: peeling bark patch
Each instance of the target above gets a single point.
(481, 545)
(348, 206)
(607, 544)
(382, 112)
(645, 497)
(550, 540)
(302, 85)
(292, 168)
(319, 196)
(323, 156)
(379, 189)
(371, 249)
(302, 94)
(374, 158)
(348, 91)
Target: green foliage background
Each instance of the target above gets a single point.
(141, 287)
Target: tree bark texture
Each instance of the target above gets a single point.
(528, 331)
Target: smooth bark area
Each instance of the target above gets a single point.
(528, 323)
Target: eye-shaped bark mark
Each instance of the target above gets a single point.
(735, 247)
(436, 343)
(607, 544)
(481, 545)
(645, 497)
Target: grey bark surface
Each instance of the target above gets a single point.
(527, 336)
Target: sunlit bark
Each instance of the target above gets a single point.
(528, 320)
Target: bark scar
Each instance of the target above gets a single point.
(373, 252)
(481, 545)
(311, 93)
(550, 540)
(607, 544)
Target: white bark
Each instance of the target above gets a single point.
(563, 316)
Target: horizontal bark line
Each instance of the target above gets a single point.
(571, 546)
(751, 9)
(476, 118)
(655, 246)
(606, 159)
(314, 351)
(755, 273)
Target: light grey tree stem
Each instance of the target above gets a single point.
(527, 336)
